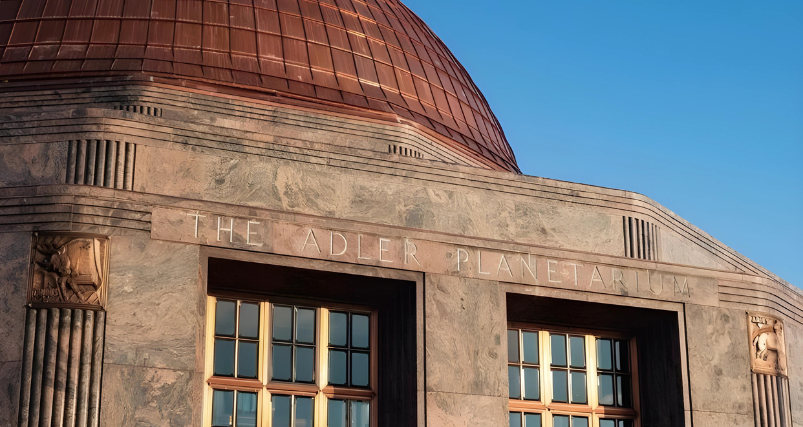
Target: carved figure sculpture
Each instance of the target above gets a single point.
(68, 269)
(768, 345)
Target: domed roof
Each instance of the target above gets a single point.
(372, 54)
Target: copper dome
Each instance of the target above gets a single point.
(375, 54)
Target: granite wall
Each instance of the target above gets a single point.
(466, 362)
(719, 367)
(153, 363)
(15, 249)
(794, 348)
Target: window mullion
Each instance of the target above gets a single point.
(591, 366)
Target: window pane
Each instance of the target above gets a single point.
(532, 388)
(337, 413)
(623, 391)
(360, 414)
(622, 357)
(579, 422)
(281, 411)
(305, 364)
(224, 357)
(249, 320)
(607, 423)
(578, 351)
(513, 346)
(560, 389)
(360, 336)
(303, 412)
(604, 355)
(530, 347)
(305, 326)
(282, 323)
(625, 423)
(222, 408)
(606, 390)
(558, 343)
(560, 421)
(515, 419)
(338, 329)
(337, 367)
(246, 409)
(224, 318)
(532, 420)
(514, 382)
(360, 366)
(282, 362)
(247, 360)
(579, 387)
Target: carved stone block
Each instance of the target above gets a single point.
(68, 270)
(767, 344)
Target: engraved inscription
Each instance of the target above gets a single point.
(68, 270)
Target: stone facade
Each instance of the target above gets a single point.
(226, 177)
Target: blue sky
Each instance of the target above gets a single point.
(696, 104)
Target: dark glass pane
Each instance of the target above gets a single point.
(607, 423)
(515, 419)
(224, 357)
(247, 360)
(305, 326)
(560, 421)
(558, 343)
(532, 420)
(337, 367)
(625, 423)
(577, 348)
(338, 329)
(303, 412)
(606, 390)
(281, 411)
(579, 422)
(224, 318)
(604, 355)
(514, 382)
(305, 364)
(246, 409)
(222, 408)
(513, 346)
(622, 357)
(359, 331)
(623, 391)
(560, 386)
(249, 321)
(337, 413)
(579, 387)
(282, 362)
(532, 388)
(282, 323)
(529, 342)
(360, 368)
(360, 414)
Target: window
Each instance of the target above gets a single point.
(566, 378)
(282, 364)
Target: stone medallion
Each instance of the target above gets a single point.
(68, 270)
(767, 344)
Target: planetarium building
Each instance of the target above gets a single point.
(303, 213)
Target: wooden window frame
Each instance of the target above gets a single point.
(593, 410)
(265, 388)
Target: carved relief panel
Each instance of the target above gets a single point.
(68, 270)
(767, 344)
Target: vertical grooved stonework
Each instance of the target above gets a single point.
(103, 163)
(640, 239)
(62, 369)
(771, 401)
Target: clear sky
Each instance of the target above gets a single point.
(697, 104)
